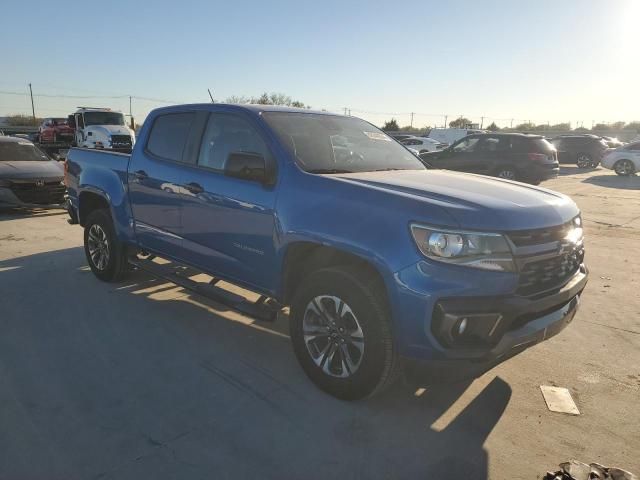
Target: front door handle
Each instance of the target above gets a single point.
(140, 175)
(194, 188)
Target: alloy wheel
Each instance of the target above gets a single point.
(98, 245)
(333, 336)
(507, 174)
(624, 167)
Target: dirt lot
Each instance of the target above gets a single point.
(145, 380)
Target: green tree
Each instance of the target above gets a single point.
(391, 126)
(493, 127)
(459, 122)
(561, 126)
(267, 99)
(525, 127)
(19, 120)
(601, 127)
(633, 126)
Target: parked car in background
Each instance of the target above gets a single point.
(386, 265)
(400, 136)
(28, 178)
(450, 135)
(422, 144)
(512, 156)
(54, 130)
(623, 160)
(613, 142)
(583, 150)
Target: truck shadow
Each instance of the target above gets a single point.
(144, 379)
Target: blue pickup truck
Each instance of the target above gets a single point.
(387, 266)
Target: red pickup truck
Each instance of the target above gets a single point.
(54, 130)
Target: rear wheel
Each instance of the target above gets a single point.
(624, 168)
(341, 333)
(105, 253)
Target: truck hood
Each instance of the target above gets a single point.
(473, 201)
(31, 169)
(109, 129)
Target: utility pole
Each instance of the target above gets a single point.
(349, 112)
(33, 109)
(345, 111)
(210, 96)
(445, 121)
(411, 119)
(511, 123)
(133, 124)
(481, 122)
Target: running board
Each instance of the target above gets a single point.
(265, 308)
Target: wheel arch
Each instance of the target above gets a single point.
(304, 257)
(89, 201)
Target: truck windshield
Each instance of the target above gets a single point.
(103, 118)
(20, 152)
(334, 144)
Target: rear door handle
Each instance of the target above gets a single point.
(194, 188)
(140, 175)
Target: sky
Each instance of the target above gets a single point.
(543, 61)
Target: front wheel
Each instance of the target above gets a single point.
(506, 173)
(341, 333)
(624, 168)
(105, 253)
(584, 160)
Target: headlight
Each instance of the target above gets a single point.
(576, 233)
(489, 251)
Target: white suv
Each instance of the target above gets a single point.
(422, 144)
(623, 160)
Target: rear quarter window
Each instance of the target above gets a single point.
(169, 135)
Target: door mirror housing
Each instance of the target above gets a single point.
(71, 121)
(249, 166)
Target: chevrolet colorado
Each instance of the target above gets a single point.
(386, 266)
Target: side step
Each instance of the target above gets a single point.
(265, 308)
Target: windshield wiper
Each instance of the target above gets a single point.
(329, 170)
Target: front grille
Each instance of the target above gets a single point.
(539, 276)
(52, 192)
(120, 141)
(523, 238)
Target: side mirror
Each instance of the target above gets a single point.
(71, 121)
(248, 166)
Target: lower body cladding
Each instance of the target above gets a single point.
(471, 325)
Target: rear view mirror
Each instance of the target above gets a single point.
(248, 166)
(71, 121)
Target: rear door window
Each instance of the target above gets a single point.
(169, 135)
(494, 144)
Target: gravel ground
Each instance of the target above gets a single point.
(143, 379)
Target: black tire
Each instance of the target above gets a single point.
(624, 168)
(115, 266)
(584, 160)
(506, 172)
(378, 365)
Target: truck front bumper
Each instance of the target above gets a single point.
(496, 326)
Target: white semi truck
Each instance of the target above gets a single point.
(102, 128)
